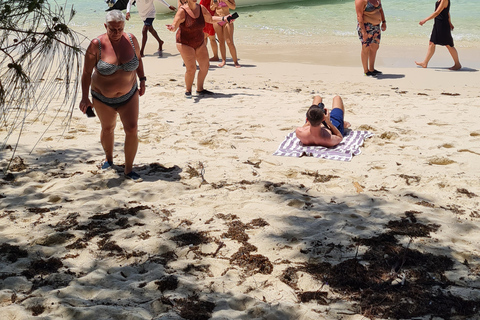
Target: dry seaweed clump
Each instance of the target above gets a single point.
(319, 296)
(410, 227)
(12, 253)
(17, 165)
(390, 280)
(251, 263)
(37, 310)
(236, 231)
(322, 178)
(191, 238)
(192, 308)
(42, 267)
(167, 283)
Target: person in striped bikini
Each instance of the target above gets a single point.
(112, 65)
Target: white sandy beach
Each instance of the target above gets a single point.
(221, 228)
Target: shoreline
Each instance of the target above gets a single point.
(331, 51)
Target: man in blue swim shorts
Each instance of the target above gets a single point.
(323, 127)
(146, 9)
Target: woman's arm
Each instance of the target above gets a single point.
(88, 65)
(209, 18)
(140, 70)
(231, 4)
(450, 22)
(167, 5)
(443, 4)
(129, 6)
(179, 19)
(360, 8)
(213, 5)
(384, 22)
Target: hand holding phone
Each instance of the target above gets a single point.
(232, 17)
(90, 112)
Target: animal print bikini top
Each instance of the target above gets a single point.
(106, 69)
(370, 7)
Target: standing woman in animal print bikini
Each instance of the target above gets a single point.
(225, 31)
(190, 21)
(369, 16)
(115, 61)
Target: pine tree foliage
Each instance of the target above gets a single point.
(40, 61)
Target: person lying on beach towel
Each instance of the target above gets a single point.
(323, 127)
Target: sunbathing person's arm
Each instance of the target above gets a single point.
(336, 137)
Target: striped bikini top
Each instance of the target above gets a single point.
(106, 69)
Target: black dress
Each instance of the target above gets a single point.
(441, 33)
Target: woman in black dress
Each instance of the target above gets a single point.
(441, 34)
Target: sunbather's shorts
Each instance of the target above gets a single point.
(148, 22)
(336, 118)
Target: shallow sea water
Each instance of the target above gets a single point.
(309, 22)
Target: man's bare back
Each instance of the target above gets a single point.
(319, 130)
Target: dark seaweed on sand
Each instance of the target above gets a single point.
(192, 308)
(167, 283)
(250, 263)
(191, 238)
(12, 253)
(389, 280)
(42, 267)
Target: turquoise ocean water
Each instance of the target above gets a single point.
(305, 22)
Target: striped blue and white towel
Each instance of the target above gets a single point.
(344, 151)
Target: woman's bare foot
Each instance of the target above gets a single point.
(160, 45)
(421, 64)
(214, 59)
(222, 63)
(456, 67)
(237, 65)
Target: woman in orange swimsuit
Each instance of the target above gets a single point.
(190, 21)
(225, 31)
